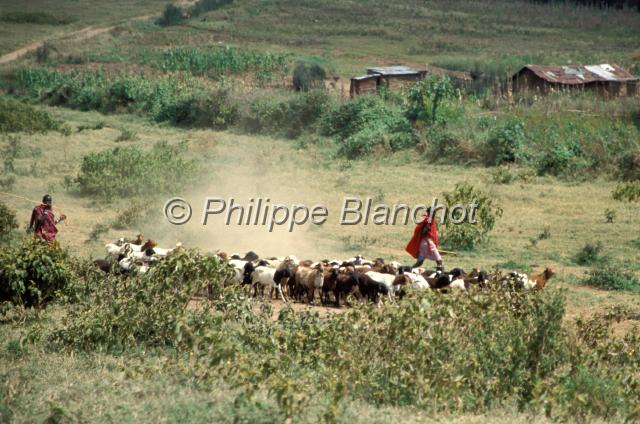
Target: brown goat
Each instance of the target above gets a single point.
(542, 278)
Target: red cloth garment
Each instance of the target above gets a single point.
(413, 247)
(46, 231)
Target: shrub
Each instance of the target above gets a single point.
(210, 110)
(16, 116)
(8, 222)
(308, 76)
(32, 273)
(172, 15)
(467, 236)
(627, 192)
(112, 315)
(130, 171)
(590, 253)
(563, 159)
(505, 144)
(629, 166)
(612, 276)
(289, 117)
(425, 98)
(382, 126)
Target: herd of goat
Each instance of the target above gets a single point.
(288, 277)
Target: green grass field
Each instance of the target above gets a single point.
(547, 219)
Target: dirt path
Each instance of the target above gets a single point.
(78, 35)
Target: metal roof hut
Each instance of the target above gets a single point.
(365, 84)
(607, 80)
(392, 77)
(397, 77)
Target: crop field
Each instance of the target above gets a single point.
(115, 107)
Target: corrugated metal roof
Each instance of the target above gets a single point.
(580, 74)
(365, 77)
(395, 70)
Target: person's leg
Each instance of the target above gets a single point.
(422, 253)
(419, 262)
(434, 255)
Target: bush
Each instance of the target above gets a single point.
(627, 192)
(116, 316)
(172, 15)
(505, 144)
(33, 273)
(130, 171)
(629, 166)
(564, 159)
(16, 116)
(612, 276)
(210, 110)
(366, 123)
(308, 76)
(468, 236)
(289, 117)
(8, 222)
(425, 98)
(590, 253)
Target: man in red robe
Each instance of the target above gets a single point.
(43, 222)
(424, 243)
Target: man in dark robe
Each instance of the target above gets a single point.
(43, 222)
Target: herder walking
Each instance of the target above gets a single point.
(424, 243)
(43, 222)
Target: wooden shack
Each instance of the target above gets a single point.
(606, 80)
(365, 84)
(395, 78)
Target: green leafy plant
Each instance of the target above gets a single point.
(612, 276)
(32, 273)
(627, 192)
(425, 98)
(16, 116)
(505, 144)
(467, 235)
(130, 171)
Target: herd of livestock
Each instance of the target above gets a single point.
(291, 278)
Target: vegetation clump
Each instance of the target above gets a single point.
(130, 171)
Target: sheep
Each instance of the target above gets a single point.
(371, 289)
(310, 279)
(330, 275)
(382, 278)
(114, 249)
(282, 277)
(264, 277)
(344, 284)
